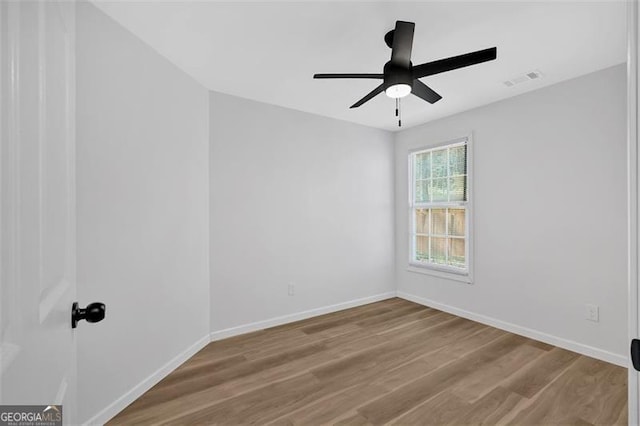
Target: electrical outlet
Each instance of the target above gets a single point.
(292, 289)
(592, 313)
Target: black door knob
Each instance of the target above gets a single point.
(635, 354)
(94, 312)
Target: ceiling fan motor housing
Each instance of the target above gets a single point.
(394, 75)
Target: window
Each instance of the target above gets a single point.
(439, 225)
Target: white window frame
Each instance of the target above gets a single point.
(442, 271)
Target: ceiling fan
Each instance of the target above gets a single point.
(400, 77)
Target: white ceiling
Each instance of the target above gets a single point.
(269, 51)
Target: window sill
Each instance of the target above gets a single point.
(419, 269)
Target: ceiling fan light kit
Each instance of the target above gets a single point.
(398, 91)
(400, 77)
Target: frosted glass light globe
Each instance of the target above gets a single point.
(398, 91)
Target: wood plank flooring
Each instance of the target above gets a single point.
(391, 362)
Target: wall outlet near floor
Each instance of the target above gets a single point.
(592, 313)
(292, 289)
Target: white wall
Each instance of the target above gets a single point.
(143, 213)
(550, 216)
(295, 198)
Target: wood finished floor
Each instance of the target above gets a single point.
(391, 362)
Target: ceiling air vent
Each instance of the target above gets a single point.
(523, 78)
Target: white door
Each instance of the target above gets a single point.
(633, 153)
(37, 192)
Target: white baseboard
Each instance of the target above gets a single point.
(523, 331)
(261, 325)
(119, 404)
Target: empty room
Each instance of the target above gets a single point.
(319, 212)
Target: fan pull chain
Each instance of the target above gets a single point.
(396, 107)
(399, 112)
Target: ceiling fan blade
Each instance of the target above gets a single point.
(348, 76)
(455, 62)
(423, 91)
(369, 96)
(402, 44)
